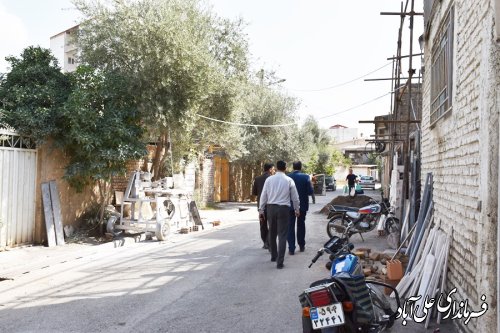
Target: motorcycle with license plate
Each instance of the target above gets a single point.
(345, 302)
(362, 219)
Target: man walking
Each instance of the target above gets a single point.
(351, 181)
(279, 190)
(304, 189)
(258, 185)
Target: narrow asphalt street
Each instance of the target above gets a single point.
(216, 280)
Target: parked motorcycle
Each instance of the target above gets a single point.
(345, 302)
(362, 219)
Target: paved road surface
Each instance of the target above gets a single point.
(217, 280)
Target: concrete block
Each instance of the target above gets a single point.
(394, 270)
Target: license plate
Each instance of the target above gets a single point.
(327, 316)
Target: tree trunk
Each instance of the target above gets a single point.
(105, 192)
(161, 149)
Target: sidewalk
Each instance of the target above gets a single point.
(23, 259)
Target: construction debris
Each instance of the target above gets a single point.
(345, 200)
(427, 254)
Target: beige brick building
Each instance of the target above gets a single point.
(460, 143)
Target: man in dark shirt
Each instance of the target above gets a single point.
(258, 185)
(304, 189)
(351, 181)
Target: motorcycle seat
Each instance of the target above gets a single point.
(341, 209)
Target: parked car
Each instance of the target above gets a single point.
(319, 187)
(367, 182)
(330, 183)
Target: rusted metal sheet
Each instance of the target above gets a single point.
(17, 189)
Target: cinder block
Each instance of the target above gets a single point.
(390, 282)
(394, 270)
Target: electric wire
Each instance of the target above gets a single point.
(291, 124)
(344, 83)
(360, 105)
(244, 124)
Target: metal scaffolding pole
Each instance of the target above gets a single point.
(397, 117)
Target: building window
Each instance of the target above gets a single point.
(442, 70)
(71, 61)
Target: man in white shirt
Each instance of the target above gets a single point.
(279, 190)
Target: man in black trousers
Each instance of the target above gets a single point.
(278, 193)
(304, 189)
(258, 185)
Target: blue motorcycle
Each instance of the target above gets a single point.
(345, 302)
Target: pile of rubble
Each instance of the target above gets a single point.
(359, 201)
(382, 267)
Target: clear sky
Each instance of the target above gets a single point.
(313, 44)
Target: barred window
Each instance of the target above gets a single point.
(442, 70)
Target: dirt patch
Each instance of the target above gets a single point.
(345, 200)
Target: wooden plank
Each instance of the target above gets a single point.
(56, 210)
(49, 217)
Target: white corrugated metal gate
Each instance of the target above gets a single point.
(17, 189)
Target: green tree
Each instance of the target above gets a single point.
(262, 105)
(89, 115)
(32, 94)
(103, 130)
(321, 157)
(179, 59)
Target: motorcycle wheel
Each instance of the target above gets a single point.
(336, 226)
(391, 225)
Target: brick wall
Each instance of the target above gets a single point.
(50, 166)
(120, 182)
(208, 171)
(461, 150)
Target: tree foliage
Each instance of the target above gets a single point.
(32, 94)
(262, 105)
(180, 60)
(103, 129)
(322, 157)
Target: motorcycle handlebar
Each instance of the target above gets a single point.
(316, 257)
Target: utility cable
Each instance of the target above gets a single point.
(362, 104)
(291, 124)
(244, 124)
(344, 83)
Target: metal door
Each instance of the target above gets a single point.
(17, 189)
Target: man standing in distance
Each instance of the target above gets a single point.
(258, 185)
(313, 182)
(279, 190)
(351, 180)
(304, 189)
